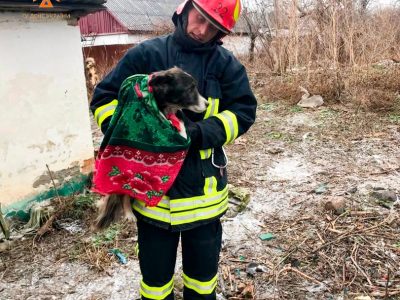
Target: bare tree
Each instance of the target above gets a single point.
(258, 24)
(254, 29)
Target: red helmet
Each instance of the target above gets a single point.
(221, 13)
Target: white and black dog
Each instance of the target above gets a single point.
(173, 90)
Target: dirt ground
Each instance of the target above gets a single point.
(292, 161)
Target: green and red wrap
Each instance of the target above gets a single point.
(142, 152)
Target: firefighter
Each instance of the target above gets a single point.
(192, 209)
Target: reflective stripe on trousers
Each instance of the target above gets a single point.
(156, 292)
(202, 288)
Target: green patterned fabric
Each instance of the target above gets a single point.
(137, 122)
(142, 152)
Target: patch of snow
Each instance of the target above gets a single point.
(301, 120)
(122, 284)
(293, 169)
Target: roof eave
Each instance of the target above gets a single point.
(75, 9)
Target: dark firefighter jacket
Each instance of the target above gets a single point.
(199, 194)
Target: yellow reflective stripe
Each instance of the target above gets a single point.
(230, 124)
(216, 107)
(104, 116)
(198, 210)
(209, 108)
(200, 287)
(198, 215)
(204, 154)
(196, 204)
(152, 212)
(187, 210)
(201, 211)
(156, 292)
(210, 185)
(136, 249)
(104, 111)
(164, 202)
(197, 199)
(212, 110)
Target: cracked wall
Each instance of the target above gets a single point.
(45, 116)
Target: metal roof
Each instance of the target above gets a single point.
(139, 15)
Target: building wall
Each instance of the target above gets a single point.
(106, 57)
(45, 116)
(99, 23)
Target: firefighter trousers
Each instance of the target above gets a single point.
(157, 249)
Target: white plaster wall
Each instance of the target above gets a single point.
(44, 110)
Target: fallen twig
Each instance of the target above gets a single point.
(4, 225)
(286, 269)
(54, 184)
(353, 259)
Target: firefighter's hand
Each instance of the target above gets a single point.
(193, 130)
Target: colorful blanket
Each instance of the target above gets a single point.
(142, 152)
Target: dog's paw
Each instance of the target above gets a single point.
(129, 216)
(130, 220)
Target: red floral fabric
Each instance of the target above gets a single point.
(144, 175)
(142, 152)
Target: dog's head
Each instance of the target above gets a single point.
(90, 63)
(175, 89)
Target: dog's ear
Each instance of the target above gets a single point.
(161, 78)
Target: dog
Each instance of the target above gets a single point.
(173, 90)
(91, 72)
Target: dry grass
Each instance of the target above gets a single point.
(286, 87)
(317, 254)
(369, 88)
(358, 249)
(332, 49)
(91, 248)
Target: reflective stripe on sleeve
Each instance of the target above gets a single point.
(231, 126)
(212, 110)
(105, 111)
